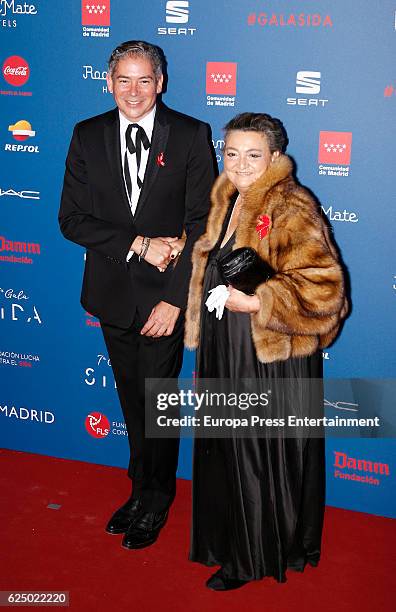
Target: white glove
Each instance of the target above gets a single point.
(216, 300)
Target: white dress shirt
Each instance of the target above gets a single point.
(147, 123)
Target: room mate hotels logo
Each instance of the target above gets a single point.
(334, 154)
(11, 9)
(95, 19)
(221, 83)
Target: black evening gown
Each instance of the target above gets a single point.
(258, 503)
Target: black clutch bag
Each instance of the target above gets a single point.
(244, 269)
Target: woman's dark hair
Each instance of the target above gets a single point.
(271, 127)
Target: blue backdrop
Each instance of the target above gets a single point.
(325, 68)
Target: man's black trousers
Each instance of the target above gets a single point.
(153, 461)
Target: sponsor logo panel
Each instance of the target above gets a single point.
(289, 20)
(98, 426)
(91, 73)
(177, 13)
(346, 216)
(221, 83)
(21, 131)
(334, 153)
(17, 307)
(23, 194)
(218, 146)
(95, 19)
(18, 359)
(16, 72)
(18, 246)
(359, 470)
(10, 10)
(91, 321)
(308, 82)
(389, 91)
(100, 374)
(44, 417)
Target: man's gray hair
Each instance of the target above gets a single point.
(138, 48)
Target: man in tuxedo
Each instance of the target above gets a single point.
(137, 179)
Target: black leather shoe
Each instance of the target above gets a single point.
(219, 582)
(124, 516)
(145, 530)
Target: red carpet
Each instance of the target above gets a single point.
(67, 549)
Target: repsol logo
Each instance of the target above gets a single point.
(19, 247)
(342, 461)
(14, 148)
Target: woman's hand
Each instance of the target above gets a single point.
(177, 245)
(240, 302)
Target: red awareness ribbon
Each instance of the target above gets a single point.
(263, 226)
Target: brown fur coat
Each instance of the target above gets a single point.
(303, 304)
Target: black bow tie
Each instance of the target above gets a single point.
(141, 138)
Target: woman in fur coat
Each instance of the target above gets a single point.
(258, 502)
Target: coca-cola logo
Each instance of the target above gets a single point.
(16, 70)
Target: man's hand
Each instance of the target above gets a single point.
(161, 321)
(159, 253)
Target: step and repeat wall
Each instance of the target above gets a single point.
(326, 69)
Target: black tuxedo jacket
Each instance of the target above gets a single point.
(95, 211)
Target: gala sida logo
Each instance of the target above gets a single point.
(95, 14)
(16, 71)
(335, 148)
(296, 20)
(221, 78)
(97, 425)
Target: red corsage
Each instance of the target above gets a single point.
(263, 226)
(161, 159)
